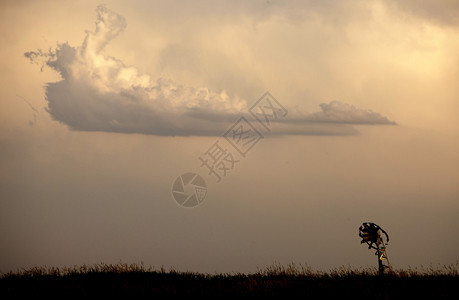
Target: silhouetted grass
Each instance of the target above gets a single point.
(292, 280)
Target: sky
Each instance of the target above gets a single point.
(326, 114)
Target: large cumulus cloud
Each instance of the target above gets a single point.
(100, 93)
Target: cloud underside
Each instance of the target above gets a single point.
(99, 93)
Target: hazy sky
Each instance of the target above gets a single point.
(102, 107)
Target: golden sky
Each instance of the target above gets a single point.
(102, 107)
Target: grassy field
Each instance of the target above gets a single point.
(291, 280)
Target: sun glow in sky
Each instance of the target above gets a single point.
(102, 107)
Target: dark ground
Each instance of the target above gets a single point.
(166, 284)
